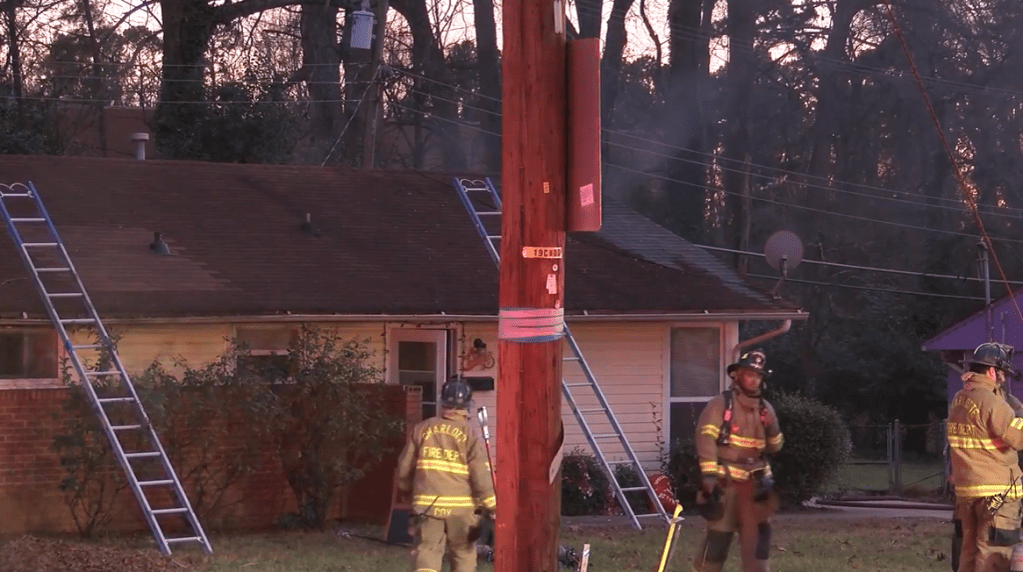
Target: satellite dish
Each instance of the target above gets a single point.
(786, 245)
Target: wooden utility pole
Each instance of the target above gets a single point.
(375, 92)
(529, 428)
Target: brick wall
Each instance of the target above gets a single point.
(30, 473)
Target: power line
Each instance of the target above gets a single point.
(806, 208)
(853, 266)
(351, 119)
(872, 288)
(719, 158)
(964, 186)
(762, 199)
(915, 202)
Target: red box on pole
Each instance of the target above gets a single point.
(583, 68)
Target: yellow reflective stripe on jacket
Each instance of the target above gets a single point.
(490, 502)
(443, 466)
(747, 442)
(776, 440)
(959, 442)
(1017, 423)
(970, 491)
(712, 431)
(709, 467)
(443, 502)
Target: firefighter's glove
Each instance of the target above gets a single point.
(765, 485)
(474, 533)
(709, 504)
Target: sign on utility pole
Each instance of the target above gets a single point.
(531, 319)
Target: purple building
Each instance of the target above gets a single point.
(958, 341)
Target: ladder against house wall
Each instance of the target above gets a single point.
(483, 203)
(103, 378)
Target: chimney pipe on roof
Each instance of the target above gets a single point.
(138, 140)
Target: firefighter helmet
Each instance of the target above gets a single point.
(992, 354)
(456, 394)
(754, 361)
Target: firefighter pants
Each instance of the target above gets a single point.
(435, 536)
(985, 540)
(743, 515)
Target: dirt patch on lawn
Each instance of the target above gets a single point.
(34, 554)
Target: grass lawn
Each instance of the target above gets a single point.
(801, 543)
(915, 475)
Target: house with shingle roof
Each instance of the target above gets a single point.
(255, 251)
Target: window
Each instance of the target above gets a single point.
(695, 362)
(28, 354)
(420, 357)
(266, 350)
(695, 377)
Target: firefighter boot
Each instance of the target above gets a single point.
(712, 552)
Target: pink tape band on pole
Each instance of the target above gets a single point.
(531, 325)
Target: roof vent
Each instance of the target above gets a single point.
(158, 245)
(138, 141)
(307, 227)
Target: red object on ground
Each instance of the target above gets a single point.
(662, 486)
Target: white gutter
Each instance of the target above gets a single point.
(788, 316)
(784, 327)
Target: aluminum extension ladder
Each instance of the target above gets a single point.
(491, 201)
(44, 254)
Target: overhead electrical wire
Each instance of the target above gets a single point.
(964, 186)
(915, 201)
(714, 189)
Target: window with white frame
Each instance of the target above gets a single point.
(694, 377)
(29, 353)
(266, 350)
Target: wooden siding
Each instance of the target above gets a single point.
(629, 363)
(628, 360)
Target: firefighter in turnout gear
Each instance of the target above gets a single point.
(983, 437)
(735, 431)
(444, 466)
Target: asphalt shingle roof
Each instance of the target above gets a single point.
(391, 242)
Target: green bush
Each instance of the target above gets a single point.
(682, 467)
(585, 489)
(627, 477)
(816, 446)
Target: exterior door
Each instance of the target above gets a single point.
(419, 357)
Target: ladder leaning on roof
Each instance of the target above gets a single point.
(491, 202)
(44, 254)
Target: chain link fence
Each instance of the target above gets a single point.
(896, 458)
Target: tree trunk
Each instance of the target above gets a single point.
(15, 52)
(684, 124)
(321, 62)
(735, 156)
(187, 29)
(611, 67)
(488, 66)
(428, 61)
(829, 97)
(589, 14)
(97, 70)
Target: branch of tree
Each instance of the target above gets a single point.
(227, 13)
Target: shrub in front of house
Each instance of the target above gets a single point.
(323, 410)
(585, 489)
(682, 467)
(816, 439)
(320, 408)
